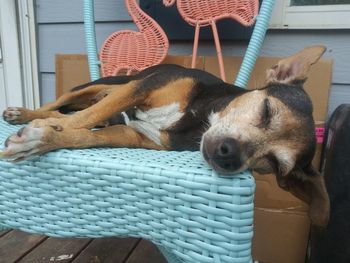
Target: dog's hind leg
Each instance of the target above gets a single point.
(79, 98)
(122, 97)
(72, 100)
(33, 141)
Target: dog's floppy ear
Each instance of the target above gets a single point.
(308, 185)
(294, 68)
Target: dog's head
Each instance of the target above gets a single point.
(272, 130)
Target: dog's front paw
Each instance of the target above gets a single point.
(16, 115)
(28, 141)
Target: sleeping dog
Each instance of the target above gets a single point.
(168, 107)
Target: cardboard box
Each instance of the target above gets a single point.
(281, 225)
(71, 71)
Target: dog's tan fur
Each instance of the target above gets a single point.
(176, 91)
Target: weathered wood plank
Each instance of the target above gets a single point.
(146, 252)
(15, 244)
(107, 250)
(68, 11)
(2, 233)
(61, 250)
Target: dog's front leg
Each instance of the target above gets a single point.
(31, 140)
(18, 115)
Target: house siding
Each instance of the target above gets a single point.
(61, 31)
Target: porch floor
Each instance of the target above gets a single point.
(17, 246)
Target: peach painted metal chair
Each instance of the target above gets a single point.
(208, 12)
(128, 51)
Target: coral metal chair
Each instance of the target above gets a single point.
(208, 12)
(132, 51)
(170, 198)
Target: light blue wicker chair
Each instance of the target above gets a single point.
(170, 198)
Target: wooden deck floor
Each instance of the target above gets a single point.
(16, 246)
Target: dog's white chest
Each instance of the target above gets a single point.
(151, 122)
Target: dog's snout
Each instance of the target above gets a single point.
(223, 155)
(227, 148)
(227, 155)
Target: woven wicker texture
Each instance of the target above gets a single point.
(131, 51)
(206, 11)
(171, 198)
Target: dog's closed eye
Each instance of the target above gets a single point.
(266, 114)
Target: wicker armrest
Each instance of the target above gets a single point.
(170, 198)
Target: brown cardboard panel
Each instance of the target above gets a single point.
(269, 195)
(231, 64)
(317, 85)
(71, 71)
(281, 223)
(280, 237)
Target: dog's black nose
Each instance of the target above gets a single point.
(227, 148)
(227, 155)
